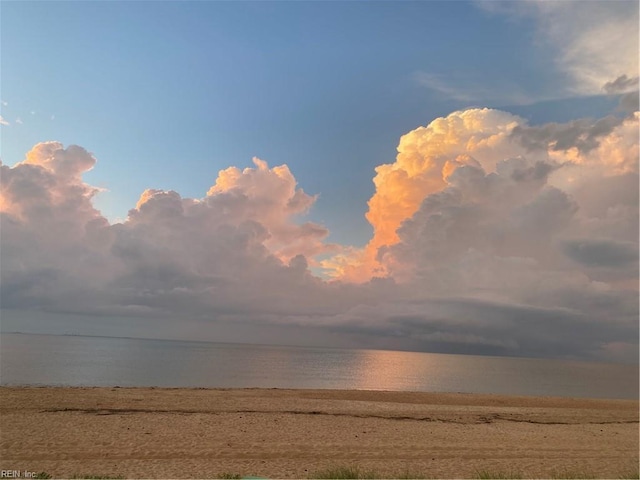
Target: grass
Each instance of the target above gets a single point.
(408, 475)
(487, 474)
(343, 472)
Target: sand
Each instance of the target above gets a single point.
(204, 433)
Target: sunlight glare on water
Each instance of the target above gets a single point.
(105, 361)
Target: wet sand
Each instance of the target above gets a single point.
(204, 433)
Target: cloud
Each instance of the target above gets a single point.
(53, 241)
(490, 236)
(469, 90)
(231, 251)
(425, 157)
(596, 42)
(621, 84)
(3, 121)
(629, 102)
(483, 185)
(270, 196)
(581, 134)
(602, 253)
(482, 207)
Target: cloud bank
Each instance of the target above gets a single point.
(490, 236)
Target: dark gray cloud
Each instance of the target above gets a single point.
(621, 84)
(472, 326)
(582, 134)
(602, 252)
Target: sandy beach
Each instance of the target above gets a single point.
(205, 433)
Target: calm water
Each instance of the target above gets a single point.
(100, 361)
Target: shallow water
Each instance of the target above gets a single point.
(27, 359)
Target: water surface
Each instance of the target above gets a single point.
(106, 361)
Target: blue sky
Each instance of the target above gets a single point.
(470, 173)
(165, 94)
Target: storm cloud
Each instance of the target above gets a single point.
(490, 236)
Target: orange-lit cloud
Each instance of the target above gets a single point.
(426, 157)
(490, 236)
(46, 187)
(271, 196)
(484, 140)
(267, 196)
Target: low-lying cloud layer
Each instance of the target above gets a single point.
(490, 236)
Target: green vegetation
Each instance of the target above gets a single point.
(487, 474)
(410, 475)
(342, 472)
(631, 475)
(345, 472)
(42, 475)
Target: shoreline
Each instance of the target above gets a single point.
(149, 432)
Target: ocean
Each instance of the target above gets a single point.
(28, 359)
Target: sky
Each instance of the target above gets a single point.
(457, 177)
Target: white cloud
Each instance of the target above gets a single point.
(3, 121)
(235, 250)
(471, 90)
(596, 41)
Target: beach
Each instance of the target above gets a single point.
(208, 433)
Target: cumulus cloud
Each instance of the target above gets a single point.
(3, 121)
(479, 205)
(270, 196)
(425, 157)
(220, 253)
(225, 252)
(490, 236)
(52, 236)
